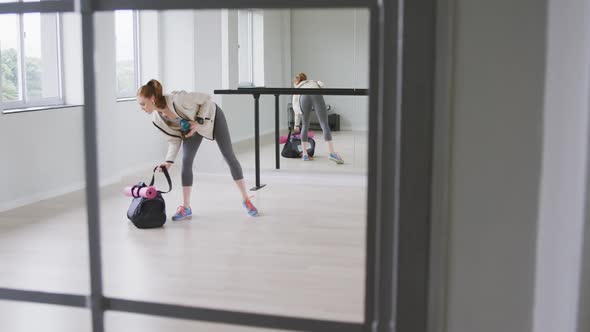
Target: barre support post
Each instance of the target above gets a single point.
(257, 140)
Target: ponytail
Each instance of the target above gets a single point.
(301, 77)
(153, 88)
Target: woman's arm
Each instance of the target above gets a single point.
(173, 148)
(297, 121)
(192, 100)
(296, 112)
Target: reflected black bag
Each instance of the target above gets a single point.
(293, 147)
(149, 212)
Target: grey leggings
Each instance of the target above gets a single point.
(191, 145)
(315, 103)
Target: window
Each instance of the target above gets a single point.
(30, 60)
(245, 47)
(127, 53)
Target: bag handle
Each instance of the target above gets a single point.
(165, 170)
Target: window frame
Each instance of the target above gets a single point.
(24, 103)
(390, 173)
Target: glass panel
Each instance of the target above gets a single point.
(43, 232)
(9, 54)
(41, 56)
(126, 76)
(304, 255)
(43, 223)
(27, 317)
(120, 321)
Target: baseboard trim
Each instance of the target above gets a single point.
(265, 138)
(76, 186)
(37, 197)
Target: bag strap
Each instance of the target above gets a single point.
(165, 170)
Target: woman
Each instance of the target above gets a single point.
(303, 106)
(185, 118)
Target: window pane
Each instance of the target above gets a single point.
(41, 56)
(9, 58)
(124, 28)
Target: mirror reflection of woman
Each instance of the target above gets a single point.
(185, 118)
(303, 105)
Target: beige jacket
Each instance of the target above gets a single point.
(189, 106)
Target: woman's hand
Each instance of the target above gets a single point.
(167, 165)
(297, 129)
(193, 130)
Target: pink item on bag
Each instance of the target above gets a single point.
(147, 192)
(283, 139)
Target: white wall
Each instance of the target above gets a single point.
(519, 158)
(178, 50)
(563, 181)
(107, 114)
(496, 144)
(43, 161)
(333, 46)
(208, 60)
(150, 45)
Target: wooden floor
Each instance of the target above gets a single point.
(304, 256)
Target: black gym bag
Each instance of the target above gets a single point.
(293, 147)
(149, 212)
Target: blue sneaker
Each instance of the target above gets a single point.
(305, 158)
(182, 213)
(252, 211)
(336, 158)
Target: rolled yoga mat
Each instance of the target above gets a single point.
(283, 139)
(147, 192)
